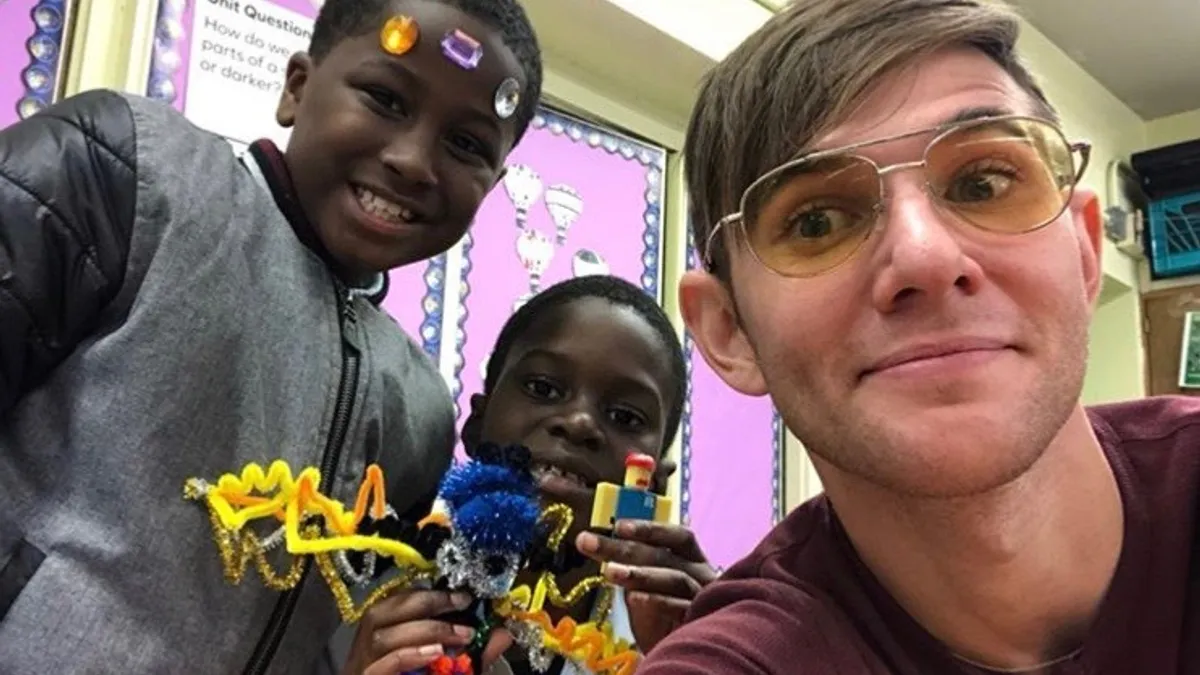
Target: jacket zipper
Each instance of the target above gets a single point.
(277, 625)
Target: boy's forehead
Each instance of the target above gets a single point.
(593, 328)
(441, 45)
(460, 38)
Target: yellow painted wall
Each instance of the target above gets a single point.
(1116, 369)
(1090, 112)
(1173, 129)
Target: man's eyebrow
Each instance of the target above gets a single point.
(972, 114)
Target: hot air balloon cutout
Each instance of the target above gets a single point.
(587, 262)
(534, 250)
(523, 186)
(565, 205)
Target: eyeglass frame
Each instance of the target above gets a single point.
(1083, 148)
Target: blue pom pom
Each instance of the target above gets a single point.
(468, 480)
(498, 522)
(492, 506)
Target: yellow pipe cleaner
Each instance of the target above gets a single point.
(280, 496)
(589, 644)
(275, 494)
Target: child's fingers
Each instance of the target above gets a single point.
(653, 568)
(675, 538)
(660, 604)
(662, 581)
(498, 643)
(416, 633)
(643, 543)
(404, 660)
(406, 606)
(607, 549)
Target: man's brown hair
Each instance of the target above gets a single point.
(802, 72)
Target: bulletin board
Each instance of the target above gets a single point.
(1189, 358)
(34, 34)
(731, 487)
(209, 53)
(577, 199)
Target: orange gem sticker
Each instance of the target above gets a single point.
(399, 35)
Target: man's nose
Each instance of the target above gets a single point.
(920, 250)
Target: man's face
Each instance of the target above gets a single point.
(391, 155)
(940, 359)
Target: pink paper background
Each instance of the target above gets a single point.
(620, 183)
(415, 297)
(732, 454)
(16, 29)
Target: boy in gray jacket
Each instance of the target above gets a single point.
(169, 311)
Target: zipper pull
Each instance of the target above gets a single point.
(348, 312)
(349, 319)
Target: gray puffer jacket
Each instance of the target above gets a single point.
(160, 319)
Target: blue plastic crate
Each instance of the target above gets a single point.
(1175, 236)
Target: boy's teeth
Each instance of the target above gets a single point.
(382, 208)
(541, 470)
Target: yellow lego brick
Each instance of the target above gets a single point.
(662, 510)
(605, 505)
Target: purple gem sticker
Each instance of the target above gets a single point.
(464, 50)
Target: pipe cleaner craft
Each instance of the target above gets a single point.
(485, 529)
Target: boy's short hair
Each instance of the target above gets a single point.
(803, 72)
(339, 19)
(618, 292)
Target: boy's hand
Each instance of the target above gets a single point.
(661, 567)
(400, 633)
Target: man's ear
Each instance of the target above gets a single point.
(711, 316)
(299, 68)
(472, 429)
(1089, 229)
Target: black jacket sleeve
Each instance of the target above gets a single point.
(67, 196)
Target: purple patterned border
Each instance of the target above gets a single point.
(169, 53)
(42, 78)
(778, 439)
(433, 305)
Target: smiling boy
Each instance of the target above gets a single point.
(168, 310)
(586, 374)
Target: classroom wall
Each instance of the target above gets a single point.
(1116, 369)
(1173, 129)
(112, 50)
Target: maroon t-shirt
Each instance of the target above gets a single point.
(804, 604)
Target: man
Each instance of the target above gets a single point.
(896, 253)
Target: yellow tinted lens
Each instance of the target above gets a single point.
(807, 218)
(1005, 175)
